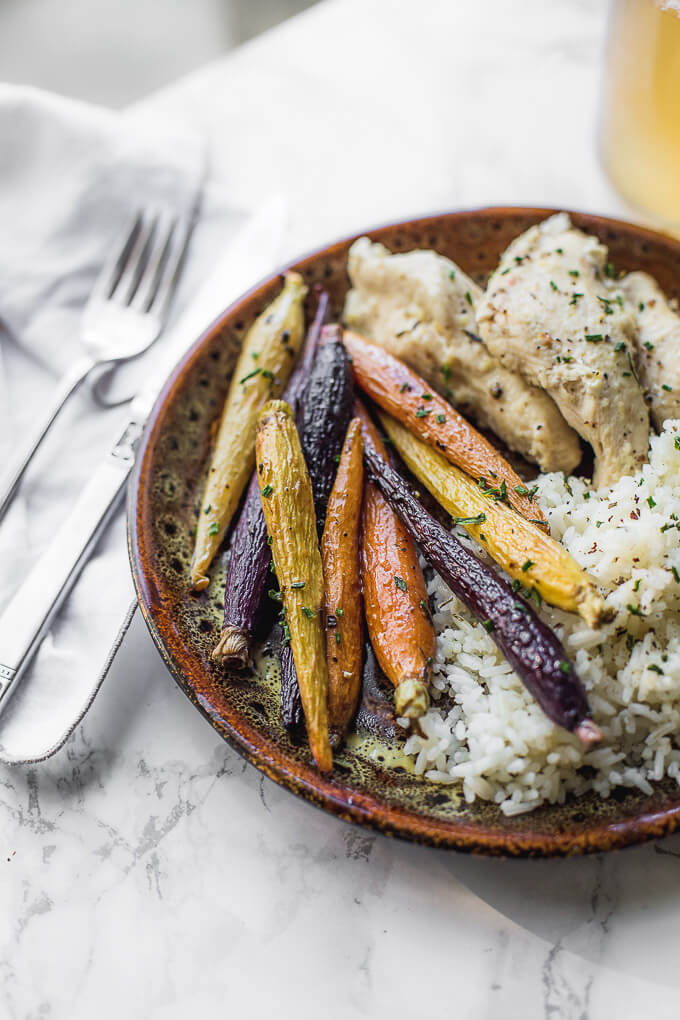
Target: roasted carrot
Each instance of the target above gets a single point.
(530, 647)
(409, 399)
(266, 360)
(522, 549)
(324, 411)
(248, 568)
(288, 506)
(395, 597)
(340, 558)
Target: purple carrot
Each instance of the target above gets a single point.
(248, 569)
(323, 416)
(528, 644)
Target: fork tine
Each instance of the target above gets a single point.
(148, 284)
(136, 261)
(110, 272)
(172, 268)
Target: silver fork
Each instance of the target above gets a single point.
(123, 316)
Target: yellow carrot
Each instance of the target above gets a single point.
(288, 506)
(407, 397)
(520, 547)
(267, 357)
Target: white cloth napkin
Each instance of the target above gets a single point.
(70, 176)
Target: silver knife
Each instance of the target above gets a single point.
(28, 616)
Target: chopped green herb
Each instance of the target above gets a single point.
(275, 595)
(266, 374)
(255, 355)
(565, 667)
(523, 606)
(516, 585)
(423, 605)
(488, 625)
(527, 565)
(400, 583)
(666, 387)
(648, 345)
(654, 668)
(479, 519)
(297, 584)
(521, 490)
(339, 612)
(270, 539)
(554, 285)
(676, 442)
(446, 371)
(336, 458)
(505, 271)
(452, 274)
(676, 574)
(208, 508)
(440, 418)
(309, 613)
(637, 584)
(574, 298)
(468, 297)
(267, 491)
(635, 610)
(594, 338)
(255, 371)
(426, 396)
(338, 639)
(214, 528)
(620, 346)
(574, 272)
(560, 251)
(641, 306)
(609, 271)
(422, 413)
(651, 503)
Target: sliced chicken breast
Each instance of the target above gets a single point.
(658, 343)
(420, 307)
(550, 313)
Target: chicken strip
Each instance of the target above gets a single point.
(658, 343)
(420, 307)
(550, 313)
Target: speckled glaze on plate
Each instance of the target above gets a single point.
(164, 499)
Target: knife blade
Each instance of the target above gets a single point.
(27, 617)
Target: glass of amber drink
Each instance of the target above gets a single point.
(640, 118)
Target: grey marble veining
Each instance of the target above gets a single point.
(147, 872)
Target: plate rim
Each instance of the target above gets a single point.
(354, 806)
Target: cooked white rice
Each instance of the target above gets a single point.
(495, 740)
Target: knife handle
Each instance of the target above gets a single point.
(27, 617)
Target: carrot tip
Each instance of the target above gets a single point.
(588, 733)
(412, 698)
(592, 608)
(232, 649)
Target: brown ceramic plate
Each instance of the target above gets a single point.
(164, 498)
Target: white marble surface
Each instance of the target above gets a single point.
(147, 872)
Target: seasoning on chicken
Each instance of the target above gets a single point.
(419, 306)
(550, 313)
(658, 345)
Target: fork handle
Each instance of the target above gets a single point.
(28, 615)
(68, 383)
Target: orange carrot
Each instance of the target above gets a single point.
(340, 557)
(409, 399)
(395, 597)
